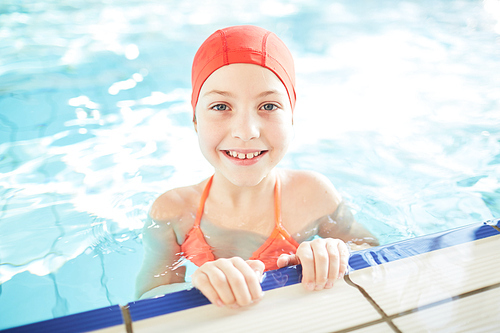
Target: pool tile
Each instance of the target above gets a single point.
(289, 308)
(114, 329)
(438, 275)
(375, 328)
(476, 313)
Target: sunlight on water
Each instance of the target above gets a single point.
(398, 104)
(492, 7)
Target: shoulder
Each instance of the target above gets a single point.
(312, 189)
(309, 182)
(176, 203)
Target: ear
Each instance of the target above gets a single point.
(195, 123)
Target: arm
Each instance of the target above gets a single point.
(325, 260)
(342, 225)
(166, 289)
(161, 261)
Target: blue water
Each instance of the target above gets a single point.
(398, 104)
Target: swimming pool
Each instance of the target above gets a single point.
(398, 104)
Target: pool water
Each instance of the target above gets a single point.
(398, 104)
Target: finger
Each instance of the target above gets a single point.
(285, 260)
(258, 268)
(201, 282)
(344, 259)
(242, 282)
(237, 279)
(256, 265)
(321, 262)
(246, 285)
(334, 259)
(218, 278)
(306, 257)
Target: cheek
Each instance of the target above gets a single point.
(208, 137)
(282, 135)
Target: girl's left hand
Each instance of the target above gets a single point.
(323, 261)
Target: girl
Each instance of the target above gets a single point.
(248, 217)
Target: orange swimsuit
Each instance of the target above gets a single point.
(196, 249)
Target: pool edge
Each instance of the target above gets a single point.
(122, 317)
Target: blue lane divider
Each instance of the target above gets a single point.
(186, 299)
(410, 247)
(79, 322)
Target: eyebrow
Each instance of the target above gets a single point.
(219, 92)
(269, 92)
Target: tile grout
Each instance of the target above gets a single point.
(357, 327)
(444, 301)
(385, 318)
(495, 227)
(388, 319)
(127, 319)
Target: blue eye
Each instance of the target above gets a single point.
(220, 107)
(269, 107)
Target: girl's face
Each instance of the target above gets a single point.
(244, 122)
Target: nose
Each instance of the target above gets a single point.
(246, 125)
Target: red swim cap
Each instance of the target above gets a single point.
(243, 44)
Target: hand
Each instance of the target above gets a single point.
(323, 260)
(230, 282)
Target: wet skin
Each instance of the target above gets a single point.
(244, 129)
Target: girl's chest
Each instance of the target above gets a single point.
(231, 242)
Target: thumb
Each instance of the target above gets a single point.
(257, 265)
(287, 260)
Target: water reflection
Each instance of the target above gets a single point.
(95, 122)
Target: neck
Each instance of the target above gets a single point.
(229, 194)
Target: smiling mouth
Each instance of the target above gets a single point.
(242, 156)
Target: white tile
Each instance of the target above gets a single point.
(377, 328)
(112, 329)
(476, 313)
(423, 279)
(287, 309)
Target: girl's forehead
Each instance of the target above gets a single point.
(249, 77)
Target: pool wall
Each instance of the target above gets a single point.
(124, 318)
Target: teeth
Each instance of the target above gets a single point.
(243, 156)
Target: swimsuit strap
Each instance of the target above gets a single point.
(279, 229)
(201, 206)
(277, 203)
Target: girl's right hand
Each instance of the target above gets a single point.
(231, 282)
